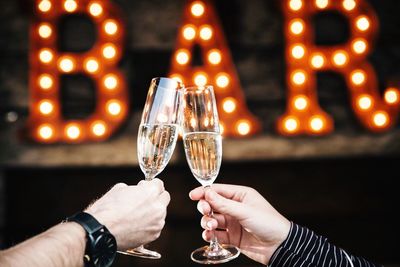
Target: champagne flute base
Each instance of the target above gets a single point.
(224, 253)
(141, 252)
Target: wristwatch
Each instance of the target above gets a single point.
(101, 246)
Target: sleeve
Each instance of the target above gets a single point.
(304, 248)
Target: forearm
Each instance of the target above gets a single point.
(61, 245)
(304, 248)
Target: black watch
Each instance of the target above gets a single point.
(101, 246)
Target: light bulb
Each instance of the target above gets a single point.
(243, 127)
(316, 123)
(362, 23)
(95, 9)
(340, 58)
(300, 102)
(182, 56)
(73, 131)
(110, 27)
(364, 102)
(349, 4)
(114, 108)
(46, 107)
(45, 131)
(45, 30)
(200, 79)
(110, 81)
(298, 77)
(222, 80)
(99, 128)
(296, 26)
(380, 118)
(109, 51)
(197, 9)
(321, 4)
(206, 33)
(91, 65)
(189, 32)
(392, 96)
(44, 5)
(45, 81)
(359, 46)
(317, 61)
(295, 5)
(45, 55)
(66, 64)
(290, 124)
(229, 105)
(358, 77)
(298, 51)
(214, 57)
(70, 5)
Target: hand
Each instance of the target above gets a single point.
(251, 223)
(135, 215)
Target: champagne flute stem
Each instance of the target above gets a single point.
(214, 245)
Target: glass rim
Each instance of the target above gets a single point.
(179, 86)
(196, 87)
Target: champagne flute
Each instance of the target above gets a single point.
(203, 148)
(158, 132)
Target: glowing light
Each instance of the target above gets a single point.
(193, 122)
(392, 96)
(214, 57)
(229, 105)
(298, 77)
(290, 124)
(321, 3)
(340, 58)
(298, 51)
(110, 81)
(316, 123)
(162, 118)
(70, 5)
(222, 80)
(189, 32)
(364, 102)
(66, 64)
(73, 131)
(45, 132)
(197, 9)
(380, 118)
(362, 23)
(95, 9)
(46, 107)
(206, 33)
(110, 27)
(45, 30)
(114, 108)
(317, 61)
(295, 5)
(358, 77)
(359, 46)
(45, 81)
(182, 56)
(44, 5)
(177, 78)
(221, 128)
(243, 128)
(349, 4)
(92, 65)
(46, 56)
(300, 102)
(200, 79)
(99, 128)
(296, 26)
(109, 51)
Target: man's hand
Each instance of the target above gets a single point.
(251, 223)
(135, 215)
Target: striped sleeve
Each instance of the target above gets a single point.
(303, 248)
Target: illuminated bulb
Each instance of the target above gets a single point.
(197, 8)
(45, 81)
(200, 79)
(364, 102)
(109, 51)
(321, 3)
(73, 131)
(229, 105)
(46, 107)
(99, 128)
(296, 26)
(44, 30)
(295, 5)
(214, 57)
(291, 124)
(380, 119)
(300, 103)
(316, 123)
(45, 56)
(362, 23)
(182, 57)
(70, 5)
(95, 9)
(206, 33)
(189, 32)
(243, 128)
(349, 4)
(340, 58)
(222, 80)
(359, 46)
(44, 5)
(298, 51)
(392, 96)
(317, 61)
(66, 64)
(91, 65)
(45, 132)
(177, 78)
(299, 77)
(110, 27)
(358, 77)
(114, 108)
(110, 81)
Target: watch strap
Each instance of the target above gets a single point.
(87, 221)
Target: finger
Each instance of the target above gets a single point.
(225, 206)
(211, 223)
(197, 193)
(222, 236)
(203, 207)
(119, 185)
(165, 198)
(156, 186)
(229, 191)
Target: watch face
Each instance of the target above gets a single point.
(104, 250)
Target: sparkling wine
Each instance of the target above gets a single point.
(156, 143)
(204, 154)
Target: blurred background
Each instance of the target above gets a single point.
(343, 185)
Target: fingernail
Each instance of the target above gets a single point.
(209, 225)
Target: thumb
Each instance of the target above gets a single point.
(225, 206)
